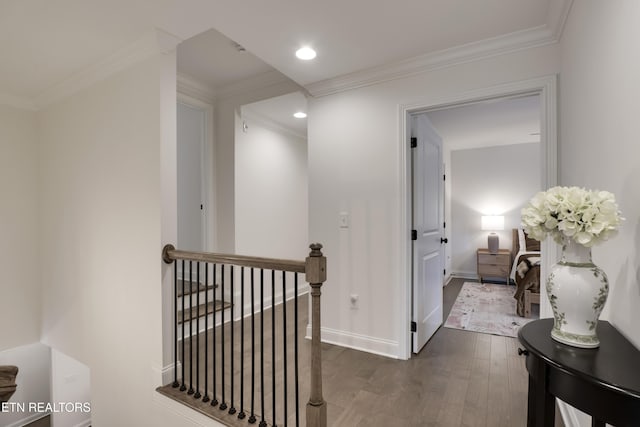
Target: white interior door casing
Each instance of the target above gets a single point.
(428, 223)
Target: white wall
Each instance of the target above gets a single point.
(489, 181)
(599, 89)
(33, 382)
(102, 222)
(70, 382)
(227, 111)
(20, 297)
(271, 191)
(355, 166)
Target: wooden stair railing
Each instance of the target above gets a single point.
(216, 395)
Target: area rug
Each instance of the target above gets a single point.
(486, 308)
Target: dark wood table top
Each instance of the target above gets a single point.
(615, 365)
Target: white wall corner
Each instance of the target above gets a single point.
(557, 17)
(152, 43)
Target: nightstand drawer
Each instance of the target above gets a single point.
(497, 259)
(493, 270)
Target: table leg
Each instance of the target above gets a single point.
(541, 409)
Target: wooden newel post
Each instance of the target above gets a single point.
(316, 274)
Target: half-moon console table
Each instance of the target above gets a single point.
(602, 382)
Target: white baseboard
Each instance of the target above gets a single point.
(468, 276)
(168, 374)
(28, 419)
(85, 423)
(188, 416)
(380, 346)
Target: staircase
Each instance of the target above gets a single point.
(237, 347)
(7, 382)
(199, 302)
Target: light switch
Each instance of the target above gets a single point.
(344, 220)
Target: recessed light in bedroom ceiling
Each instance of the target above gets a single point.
(305, 53)
(300, 115)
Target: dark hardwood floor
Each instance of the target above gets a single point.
(460, 378)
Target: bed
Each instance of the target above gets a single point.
(525, 272)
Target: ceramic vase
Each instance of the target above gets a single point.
(577, 290)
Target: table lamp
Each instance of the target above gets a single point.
(493, 223)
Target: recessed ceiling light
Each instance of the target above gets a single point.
(305, 53)
(300, 115)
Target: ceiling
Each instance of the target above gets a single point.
(45, 44)
(489, 123)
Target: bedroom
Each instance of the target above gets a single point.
(492, 154)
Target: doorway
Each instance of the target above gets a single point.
(194, 181)
(545, 88)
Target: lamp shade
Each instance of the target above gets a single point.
(492, 222)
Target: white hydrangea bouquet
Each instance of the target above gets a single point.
(588, 217)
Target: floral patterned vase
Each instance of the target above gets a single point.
(577, 290)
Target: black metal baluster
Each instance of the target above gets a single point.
(197, 394)
(252, 418)
(273, 345)
(223, 403)
(214, 396)
(232, 409)
(175, 326)
(284, 341)
(183, 387)
(295, 353)
(205, 398)
(241, 415)
(190, 328)
(263, 423)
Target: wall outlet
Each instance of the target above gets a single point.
(344, 219)
(353, 299)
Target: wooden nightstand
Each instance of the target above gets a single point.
(494, 265)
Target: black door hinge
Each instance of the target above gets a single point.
(414, 142)
(414, 327)
(444, 272)
(444, 225)
(444, 177)
(414, 235)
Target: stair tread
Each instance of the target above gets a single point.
(193, 287)
(219, 305)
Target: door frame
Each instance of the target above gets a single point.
(546, 88)
(208, 176)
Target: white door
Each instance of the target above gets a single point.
(428, 223)
(191, 124)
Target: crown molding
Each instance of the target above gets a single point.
(154, 42)
(250, 84)
(250, 114)
(18, 102)
(519, 40)
(193, 88)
